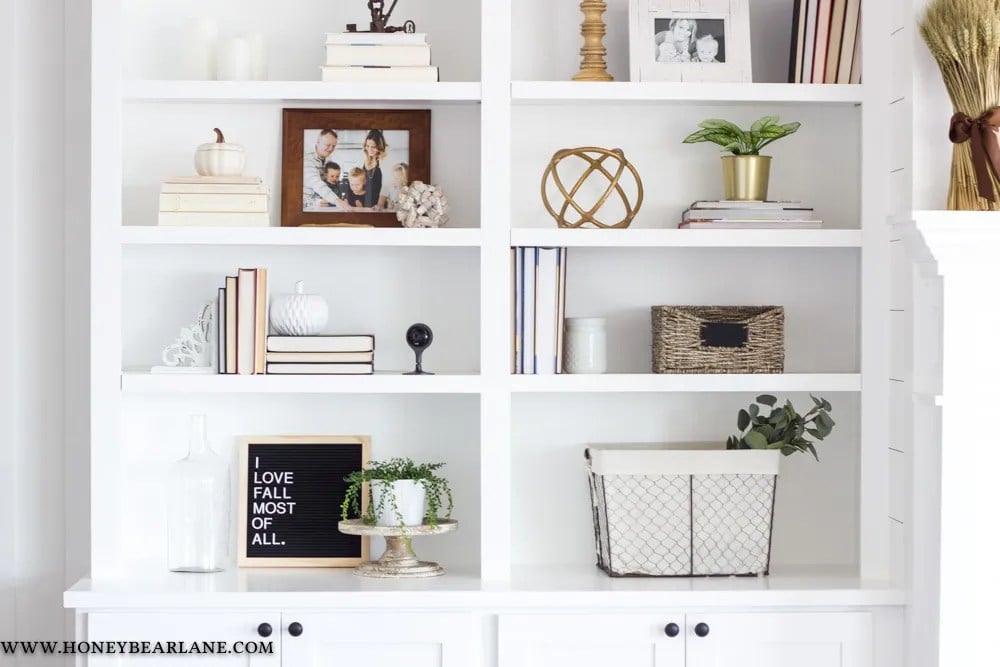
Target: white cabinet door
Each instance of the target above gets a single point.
(780, 640)
(591, 640)
(414, 640)
(198, 631)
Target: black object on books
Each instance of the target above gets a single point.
(419, 337)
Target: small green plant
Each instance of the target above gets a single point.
(738, 141)
(783, 428)
(394, 470)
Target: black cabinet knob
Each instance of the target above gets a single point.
(672, 630)
(264, 629)
(295, 629)
(701, 629)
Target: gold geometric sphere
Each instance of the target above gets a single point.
(595, 159)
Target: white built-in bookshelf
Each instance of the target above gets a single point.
(513, 444)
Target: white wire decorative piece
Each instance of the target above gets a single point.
(191, 351)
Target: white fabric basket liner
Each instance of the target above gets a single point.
(659, 460)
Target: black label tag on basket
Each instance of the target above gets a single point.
(724, 334)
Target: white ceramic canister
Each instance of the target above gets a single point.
(586, 345)
(298, 314)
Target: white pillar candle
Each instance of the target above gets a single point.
(198, 55)
(233, 60)
(258, 56)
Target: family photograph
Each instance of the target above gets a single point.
(690, 40)
(354, 170)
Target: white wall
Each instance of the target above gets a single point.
(42, 175)
(6, 333)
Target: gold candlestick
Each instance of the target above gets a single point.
(593, 66)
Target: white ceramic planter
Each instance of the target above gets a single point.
(410, 499)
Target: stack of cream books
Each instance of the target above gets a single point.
(214, 201)
(378, 56)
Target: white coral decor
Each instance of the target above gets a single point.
(422, 205)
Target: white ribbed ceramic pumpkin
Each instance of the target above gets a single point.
(298, 314)
(219, 158)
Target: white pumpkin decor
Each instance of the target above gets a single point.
(422, 205)
(298, 314)
(219, 158)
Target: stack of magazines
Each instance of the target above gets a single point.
(722, 214)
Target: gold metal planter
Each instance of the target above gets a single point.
(746, 176)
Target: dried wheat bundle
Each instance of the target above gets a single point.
(964, 38)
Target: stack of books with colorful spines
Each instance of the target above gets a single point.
(214, 201)
(722, 214)
(378, 56)
(321, 355)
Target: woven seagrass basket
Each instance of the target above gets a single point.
(718, 339)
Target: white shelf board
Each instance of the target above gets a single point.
(653, 382)
(379, 383)
(687, 238)
(299, 91)
(306, 236)
(556, 92)
(551, 587)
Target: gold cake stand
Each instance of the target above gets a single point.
(398, 561)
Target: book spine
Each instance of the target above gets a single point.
(561, 318)
(214, 180)
(327, 344)
(376, 39)
(823, 17)
(518, 310)
(390, 55)
(245, 322)
(232, 287)
(853, 15)
(530, 260)
(213, 203)
(795, 53)
(212, 189)
(837, 18)
(260, 323)
(810, 45)
(220, 331)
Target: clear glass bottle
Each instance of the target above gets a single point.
(198, 499)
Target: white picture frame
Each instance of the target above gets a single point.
(721, 27)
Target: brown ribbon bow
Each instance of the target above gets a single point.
(985, 150)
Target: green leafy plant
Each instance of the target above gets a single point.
(394, 470)
(783, 428)
(738, 141)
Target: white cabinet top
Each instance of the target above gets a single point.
(534, 587)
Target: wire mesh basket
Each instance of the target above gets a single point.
(679, 513)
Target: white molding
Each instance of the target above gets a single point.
(303, 236)
(551, 92)
(299, 91)
(687, 238)
(651, 383)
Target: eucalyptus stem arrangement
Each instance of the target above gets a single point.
(783, 427)
(398, 469)
(963, 36)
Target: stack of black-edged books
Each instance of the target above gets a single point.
(321, 355)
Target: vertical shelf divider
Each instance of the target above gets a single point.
(873, 537)
(495, 307)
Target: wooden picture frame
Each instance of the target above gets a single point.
(322, 490)
(311, 198)
(718, 30)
